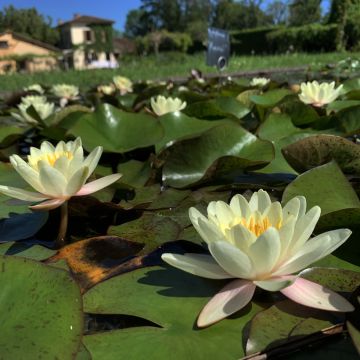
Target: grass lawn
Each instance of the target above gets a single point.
(165, 66)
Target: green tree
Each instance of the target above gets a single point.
(302, 12)
(136, 23)
(28, 22)
(238, 15)
(278, 12)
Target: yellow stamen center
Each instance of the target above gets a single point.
(259, 225)
(50, 158)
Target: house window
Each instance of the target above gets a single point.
(4, 44)
(108, 58)
(87, 35)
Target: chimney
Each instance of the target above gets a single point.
(76, 15)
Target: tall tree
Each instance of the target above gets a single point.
(136, 23)
(304, 12)
(278, 11)
(238, 15)
(28, 22)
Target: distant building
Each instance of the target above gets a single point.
(87, 42)
(22, 53)
(124, 46)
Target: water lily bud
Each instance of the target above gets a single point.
(259, 82)
(35, 87)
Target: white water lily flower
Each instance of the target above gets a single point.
(260, 82)
(35, 87)
(162, 105)
(106, 89)
(65, 92)
(43, 108)
(123, 84)
(57, 174)
(319, 94)
(260, 243)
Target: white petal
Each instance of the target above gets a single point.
(240, 236)
(274, 213)
(76, 162)
(224, 213)
(304, 228)
(233, 297)
(276, 283)
(93, 158)
(264, 200)
(77, 181)
(26, 172)
(207, 230)
(265, 251)
(53, 182)
(46, 147)
(231, 259)
(48, 205)
(197, 264)
(314, 250)
(21, 194)
(62, 164)
(240, 206)
(98, 184)
(286, 233)
(310, 294)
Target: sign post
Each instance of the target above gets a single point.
(218, 51)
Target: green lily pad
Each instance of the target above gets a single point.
(325, 186)
(34, 252)
(279, 129)
(9, 177)
(355, 335)
(336, 106)
(221, 149)
(19, 227)
(116, 130)
(300, 113)
(178, 126)
(271, 98)
(43, 308)
(135, 173)
(320, 149)
(282, 321)
(349, 120)
(172, 299)
(9, 134)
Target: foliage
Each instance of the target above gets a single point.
(28, 22)
(107, 294)
(309, 38)
(302, 12)
(253, 41)
(103, 41)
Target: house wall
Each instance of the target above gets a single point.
(20, 47)
(78, 34)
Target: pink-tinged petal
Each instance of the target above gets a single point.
(276, 283)
(233, 297)
(197, 264)
(98, 184)
(21, 194)
(48, 205)
(310, 294)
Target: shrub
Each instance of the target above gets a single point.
(251, 41)
(309, 38)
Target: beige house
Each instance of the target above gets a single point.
(19, 52)
(87, 42)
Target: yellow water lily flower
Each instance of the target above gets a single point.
(123, 84)
(43, 108)
(319, 94)
(260, 243)
(57, 173)
(162, 105)
(260, 81)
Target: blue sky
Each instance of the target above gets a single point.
(109, 9)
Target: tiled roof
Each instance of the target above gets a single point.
(88, 20)
(30, 40)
